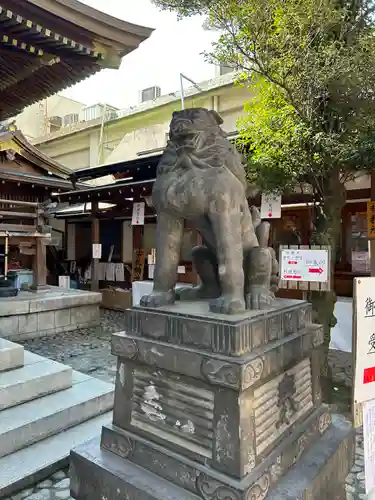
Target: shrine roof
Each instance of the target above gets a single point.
(48, 45)
(15, 142)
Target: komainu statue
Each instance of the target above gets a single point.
(200, 178)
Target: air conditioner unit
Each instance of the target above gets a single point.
(56, 122)
(149, 94)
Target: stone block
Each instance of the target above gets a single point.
(62, 299)
(33, 381)
(31, 422)
(27, 466)
(230, 430)
(28, 323)
(226, 371)
(191, 324)
(9, 326)
(13, 306)
(217, 406)
(62, 317)
(127, 470)
(46, 321)
(107, 476)
(84, 315)
(224, 410)
(11, 355)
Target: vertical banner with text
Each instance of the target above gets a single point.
(270, 207)
(138, 217)
(364, 326)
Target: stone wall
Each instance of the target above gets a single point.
(31, 316)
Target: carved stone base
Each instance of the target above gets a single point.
(208, 407)
(98, 473)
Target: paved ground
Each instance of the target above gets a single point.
(89, 351)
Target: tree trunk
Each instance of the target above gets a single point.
(328, 232)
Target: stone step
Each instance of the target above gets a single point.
(36, 420)
(33, 381)
(99, 474)
(11, 355)
(35, 463)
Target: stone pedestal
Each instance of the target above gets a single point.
(216, 408)
(50, 312)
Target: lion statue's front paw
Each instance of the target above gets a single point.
(227, 304)
(158, 299)
(259, 297)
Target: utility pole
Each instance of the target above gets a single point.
(100, 148)
(182, 78)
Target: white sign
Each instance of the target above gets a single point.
(270, 207)
(64, 281)
(138, 218)
(364, 314)
(369, 444)
(304, 265)
(96, 251)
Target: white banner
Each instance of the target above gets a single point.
(270, 207)
(138, 217)
(364, 329)
(369, 444)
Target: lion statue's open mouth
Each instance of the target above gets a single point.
(201, 178)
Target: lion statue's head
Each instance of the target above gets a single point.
(197, 142)
(190, 122)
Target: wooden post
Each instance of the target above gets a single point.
(372, 242)
(39, 264)
(95, 239)
(6, 256)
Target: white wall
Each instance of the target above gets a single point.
(125, 138)
(33, 121)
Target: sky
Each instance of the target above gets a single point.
(174, 47)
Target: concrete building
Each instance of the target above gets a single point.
(58, 112)
(47, 116)
(141, 129)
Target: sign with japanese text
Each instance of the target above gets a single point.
(270, 207)
(364, 331)
(371, 220)
(138, 217)
(369, 445)
(96, 251)
(304, 265)
(139, 258)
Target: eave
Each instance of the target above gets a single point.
(48, 45)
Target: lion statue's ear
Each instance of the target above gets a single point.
(217, 117)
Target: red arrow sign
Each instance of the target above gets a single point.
(292, 262)
(316, 270)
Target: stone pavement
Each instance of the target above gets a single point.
(57, 487)
(89, 352)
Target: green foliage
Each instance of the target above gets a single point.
(310, 65)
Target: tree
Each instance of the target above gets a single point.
(310, 67)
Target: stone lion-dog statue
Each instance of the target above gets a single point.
(201, 178)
